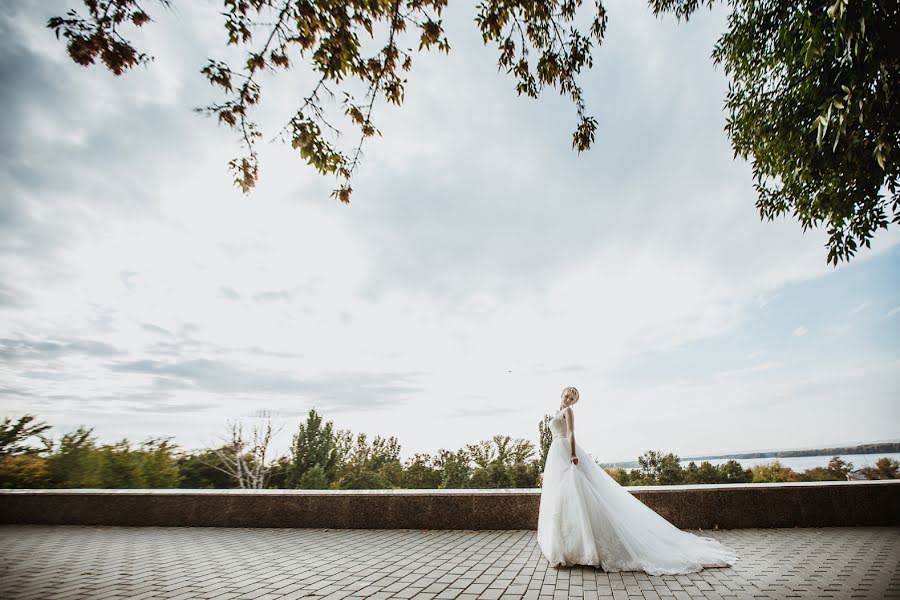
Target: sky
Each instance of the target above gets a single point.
(481, 266)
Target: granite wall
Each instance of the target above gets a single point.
(688, 506)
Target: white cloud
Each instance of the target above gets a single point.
(859, 308)
(748, 370)
(800, 331)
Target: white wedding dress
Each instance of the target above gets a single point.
(587, 518)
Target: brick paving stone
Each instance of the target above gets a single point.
(143, 563)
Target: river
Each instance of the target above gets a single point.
(802, 463)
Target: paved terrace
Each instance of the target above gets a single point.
(98, 562)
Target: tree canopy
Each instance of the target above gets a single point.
(322, 457)
(14, 435)
(329, 36)
(812, 101)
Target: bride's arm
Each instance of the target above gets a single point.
(570, 420)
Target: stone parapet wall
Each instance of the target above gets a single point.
(723, 506)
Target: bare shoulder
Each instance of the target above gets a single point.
(568, 412)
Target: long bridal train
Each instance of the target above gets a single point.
(587, 518)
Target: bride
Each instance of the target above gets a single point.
(587, 518)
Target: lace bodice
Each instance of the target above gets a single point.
(558, 425)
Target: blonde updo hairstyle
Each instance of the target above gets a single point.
(572, 389)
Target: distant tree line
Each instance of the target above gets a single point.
(886, 447)
(321, 457)
(666, 469)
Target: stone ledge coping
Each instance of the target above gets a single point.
(702, 506)
(436, 492)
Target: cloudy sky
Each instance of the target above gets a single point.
(481, 267)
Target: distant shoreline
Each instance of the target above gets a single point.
(881, 447)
